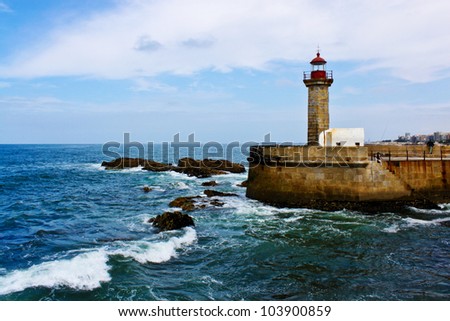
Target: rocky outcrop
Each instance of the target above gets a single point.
(147, 189)
(171, 221)
(199, 172)
(193, 167)
(121, 163)
(224, 165)
(189, 166)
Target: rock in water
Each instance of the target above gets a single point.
(192, 167)
(121, 163)
(207, 167)
(210, 183)
(224, 165)
(211, 193)
(147, 189)
(150, 165)
(153, 166)
(187, 203)
(243, 184)
(171, 221)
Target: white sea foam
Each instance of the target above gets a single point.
(88, 270)
(246, 206)
(232, 176)
(85, 271)
(293, 219)
(181, 185)
(207, 279)
(135, 224)
(416, 222)
(394, 228)
(96, 166)
(441, 220)
(444, 209)
(445, 206)
(408, 223)
(156, 188)
(132, 169)
(178, 176)
(155, 252)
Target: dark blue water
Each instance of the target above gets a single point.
(70, 230)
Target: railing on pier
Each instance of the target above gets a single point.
(409, 152)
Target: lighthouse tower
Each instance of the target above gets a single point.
(317, 80)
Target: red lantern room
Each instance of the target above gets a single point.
(318, 70)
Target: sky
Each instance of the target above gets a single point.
(81, 71)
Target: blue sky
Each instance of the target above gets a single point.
(80, 71)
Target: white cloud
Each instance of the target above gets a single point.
(143, 84)
(408, 38)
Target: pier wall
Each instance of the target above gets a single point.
(425, 173)
(427, 178)
(295, 175)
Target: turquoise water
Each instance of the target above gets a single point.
(70, 230)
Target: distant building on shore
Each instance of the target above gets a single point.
(438, 137)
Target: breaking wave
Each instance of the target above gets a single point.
(155, 252)
(89, 270)
(85, 271)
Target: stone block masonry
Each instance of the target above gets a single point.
(318, 114)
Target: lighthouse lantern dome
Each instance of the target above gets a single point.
(318, 63)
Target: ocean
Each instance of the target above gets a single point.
(71, 230)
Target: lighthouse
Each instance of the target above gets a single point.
(317, 81)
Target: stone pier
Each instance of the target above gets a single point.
(303, 175)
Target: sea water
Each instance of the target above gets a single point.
(71, 230)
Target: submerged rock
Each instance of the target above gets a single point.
(171, 221)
